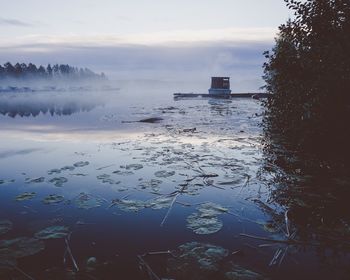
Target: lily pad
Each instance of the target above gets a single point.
(211, 208)
(81, 164)
(35, 180)
(25, 196)
(164, 174)
(54, 171)
(200, 224)
(123, 173)
(68, 167)
(240, 273)
(3, 181)
(106, 178)
(53, 198)
(20, 247)
(58, 181)
(87, 201)
(129, 205)
(53, 232)
(5, 226)
(160, 202)
(205, 221)
(153, 184)
(134, 166)
(196, 260)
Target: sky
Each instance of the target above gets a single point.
(144, 38)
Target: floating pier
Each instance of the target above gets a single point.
(220, 88)
(255, 95)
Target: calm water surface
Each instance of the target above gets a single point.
(125, 189)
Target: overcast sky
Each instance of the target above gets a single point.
(202, 37)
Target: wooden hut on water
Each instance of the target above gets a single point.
(220, 85)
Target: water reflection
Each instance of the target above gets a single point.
(310, 204)
(220, 107)
(35, 108)
(193, 184)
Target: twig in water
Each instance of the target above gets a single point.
(275, 257)
(168, 212)
(103, 167)
(183, 203)
(150, 272)
(159, 253)
(245, 184)
(22, 272)
(287, 223)
(69, 251)
(289, 241)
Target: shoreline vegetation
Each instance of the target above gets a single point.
(308, 75)
(23, 71)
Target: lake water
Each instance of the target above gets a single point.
(144, 195)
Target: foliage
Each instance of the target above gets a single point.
(22, 70)
(308, 74)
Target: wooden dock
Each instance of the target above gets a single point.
(255, 95)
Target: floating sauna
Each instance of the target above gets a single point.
(220, 88)
(220, 85)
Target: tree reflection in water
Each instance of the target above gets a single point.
(33, 109)
(312, 196)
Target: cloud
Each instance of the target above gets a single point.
(14, 22)
(172, 37)
(181, 56)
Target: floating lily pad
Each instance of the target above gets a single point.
(160, 202)
(53, 198)
(68, 167)
(240, 273)
(3, 181)
(81, 163)
(210, 208)
(25, 196)
(58, 181)
(53, 232)
(196, 261)
(35, 180)
(152, 184)
(203, 224)
(129, 205)
(20, 247)
(5, 226)
(205, 221)
(123, 173)
(134, 166)
(106, 178)
(54, 171)
(87, 201)
(164, 173)
(79, 174)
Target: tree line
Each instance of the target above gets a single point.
(308, 74)
(30, 70)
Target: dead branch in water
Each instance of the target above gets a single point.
(149, 270)
(69, 252)
(168, 212)
(288, 241)
(22, 272)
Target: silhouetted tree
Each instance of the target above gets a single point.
(49, 70)
(58, 71)
(308, 74)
